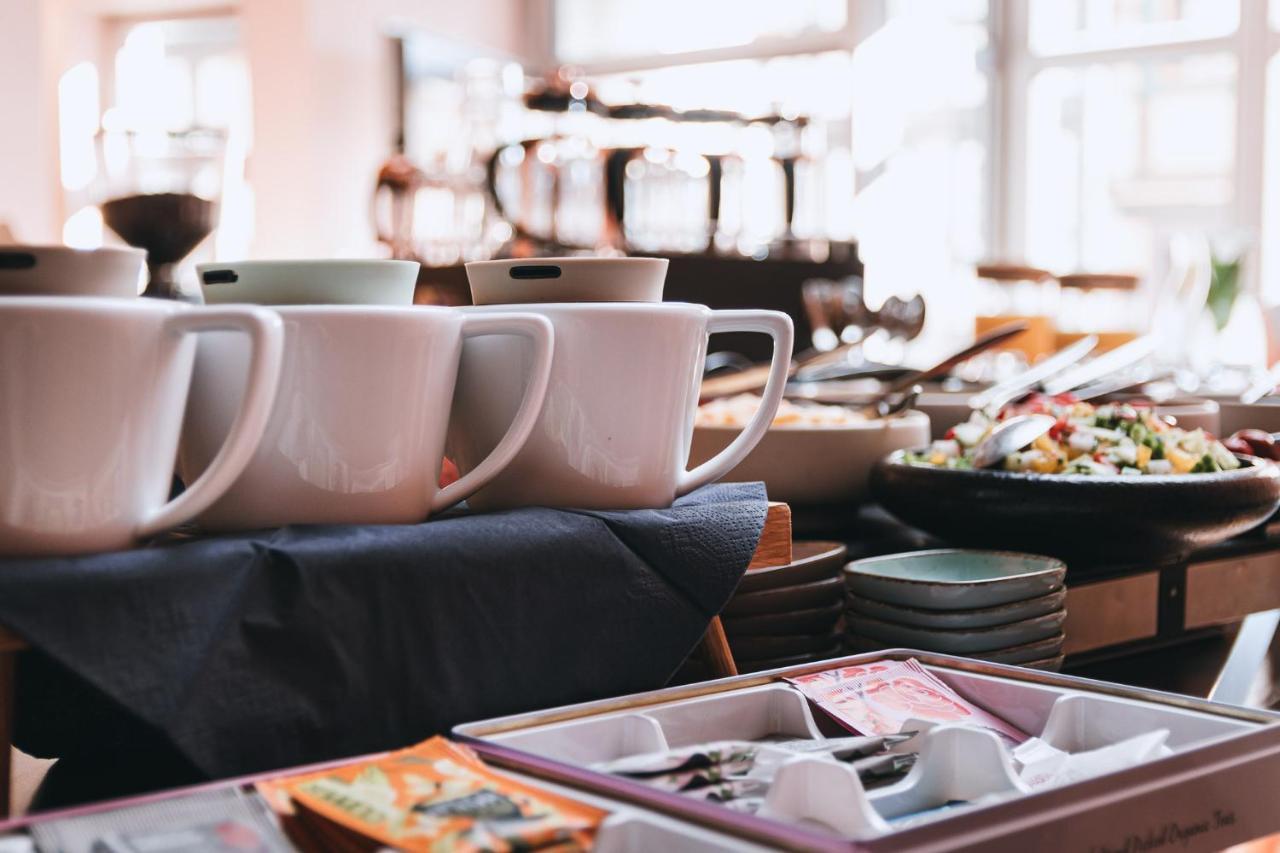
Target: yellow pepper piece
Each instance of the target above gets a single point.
(1181, 462)
(1046, 464)
(1144, 456)
(937, 459)
(1046, 445)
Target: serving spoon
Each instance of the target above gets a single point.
(752, 379)
(892, 405)
(1010, 437)
(997, 395)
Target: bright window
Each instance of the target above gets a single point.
(588, 30)
(1118, 153)
(1064, 26)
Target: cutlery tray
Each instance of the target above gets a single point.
(1209, 781)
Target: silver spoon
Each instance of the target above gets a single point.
(1009, 437)
(892, 405)
(1014, 387)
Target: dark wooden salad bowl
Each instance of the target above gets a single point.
(1091, 520)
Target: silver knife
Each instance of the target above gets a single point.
(1115, 383)
(1012, 388)
(1118, 359)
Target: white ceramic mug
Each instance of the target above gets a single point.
(309, 282)
(532, 280)
(358, 430)
(64, 271)
(615, 429)
(91, 401)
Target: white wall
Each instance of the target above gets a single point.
(39, 40)
(323, 83)
(24, 168)
(322, 77)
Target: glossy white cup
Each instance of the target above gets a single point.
(533, 280)
(91, 401)
(358, 430)
(615, 429)
(64, 271)
(309, 282)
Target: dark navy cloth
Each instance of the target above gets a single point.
(248, 652)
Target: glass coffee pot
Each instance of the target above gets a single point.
(159, 191)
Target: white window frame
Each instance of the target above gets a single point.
(1253, 44)
(859, 13)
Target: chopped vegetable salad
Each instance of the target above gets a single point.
(1113, 439)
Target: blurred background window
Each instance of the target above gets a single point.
(918, 137)
(1131, 121)
(169, 111)
(899, 99)
(613, 30)
(1066, 26)
(1121, 153)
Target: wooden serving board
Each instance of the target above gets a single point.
(774, 547)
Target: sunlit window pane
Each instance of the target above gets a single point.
(952, 11)
(921, 142)
(77, 123)
(222, 95)
(1061, 26)
(596, 29)
(816, 85)
(1270, 238)
(1120, 153)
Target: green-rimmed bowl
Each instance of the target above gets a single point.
(954, 579)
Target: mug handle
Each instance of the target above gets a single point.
(266, 338)
(778, 326)
(537, 329)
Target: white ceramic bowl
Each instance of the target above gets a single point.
(567, 280)
(1189, 412)
(1263, 415)
(815, 464)
(63, 271)
(309, 282)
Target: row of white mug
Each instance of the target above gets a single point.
(302, 414)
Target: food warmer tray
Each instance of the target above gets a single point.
(1220, 784)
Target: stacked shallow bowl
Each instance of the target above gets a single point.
(991, 605)
(790, 614)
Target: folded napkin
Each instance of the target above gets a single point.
(246, 652)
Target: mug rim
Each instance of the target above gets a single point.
(579, 261)
(94, 303)
(56, 249)
(353, 309)
(610, 307)
(306, 262)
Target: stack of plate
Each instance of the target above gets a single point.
(991, 605)
(790, 614)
